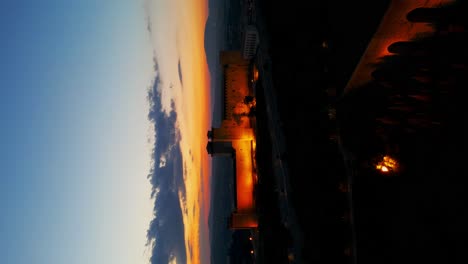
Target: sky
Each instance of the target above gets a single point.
(99, 99)
(180, 98)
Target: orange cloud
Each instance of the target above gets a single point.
(194, 120)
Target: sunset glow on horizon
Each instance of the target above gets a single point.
(177, 30)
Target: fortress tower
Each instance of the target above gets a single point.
(235, 138)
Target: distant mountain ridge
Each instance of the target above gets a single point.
(214, 42)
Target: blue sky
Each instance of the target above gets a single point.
(75, 136)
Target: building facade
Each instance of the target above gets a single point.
(250, 41)
(235, 138)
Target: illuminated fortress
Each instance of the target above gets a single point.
(235, 137)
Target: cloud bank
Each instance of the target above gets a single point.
(180, 111)
(166, 230)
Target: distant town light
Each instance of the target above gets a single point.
(255, 74)
(384, 169)
(387, 164)
(325, 44)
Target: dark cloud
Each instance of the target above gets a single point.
(166, 229)
(180, 74)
